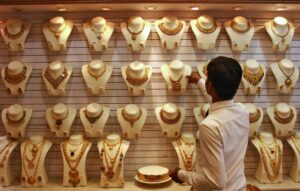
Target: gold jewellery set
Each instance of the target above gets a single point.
(15, 78)
(69, 152)
(281, 36)
(272, 153)
(284, 120)
(18, 122)
(288, 81)
(31, 158)
(253, 79)
(59, 122)
(170, 121)
(134, 34)
(98, 76)
(206, 31)
(137, 81)
(93, 120)
(58, 33)
(111, 161)
(131, 120)
(187, 158)
(14, 36)
(233, 26)
(55, 82)
(99, 33)
(5, 150)
(168, 31)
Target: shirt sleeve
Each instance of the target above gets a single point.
(212, 176)
(201, 85)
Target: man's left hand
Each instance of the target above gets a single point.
(174, 175)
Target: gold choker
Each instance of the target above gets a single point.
(131, 121)
(206, 31)
(284, 120)
(170, 121)
(96, 77)
(59, 122)
(253, 79)
(168, 31)
(288, 80)
(56, 82)
(240, 30)
(59, 32)
(282, 36)
(6, 151)
(92, 120)
(14, 36)
(136, 81)
(16, 122)
(15, 78)
(134, 34)
(256, 117)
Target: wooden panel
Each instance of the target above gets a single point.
(152, 147)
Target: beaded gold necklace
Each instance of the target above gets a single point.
(15, 78)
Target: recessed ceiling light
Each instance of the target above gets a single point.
(61, 9)
(194, 8)
(237, 8)
(106, 8)
(150, 8)
(281, 8)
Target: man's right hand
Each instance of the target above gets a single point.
(194, 77)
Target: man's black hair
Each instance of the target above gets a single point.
(225, 75)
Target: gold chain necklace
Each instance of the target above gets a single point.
(134, 34)
(74, 177)
(56, 82)
(110, 161)
(284, 120)
(18, 122)
(34, 151)
(168, 31)
(170, 121)
(6, 151)
(206, 31)
(59, 32)
(296, 143)
(32, 179)
(176, 85)
(240, 30)
(282, 36)
(59, 122)
(253, 79)
(275, 163)
(136, 81)
(100, 33)
(131, 121)
(288, 80)
(92, 120)
(15, 78)
(14, 36)
(256, 117)
(96, 77)
(187, 159)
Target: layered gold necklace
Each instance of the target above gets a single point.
(253, 79)
(134, 34)
(206, 31)
(282, 36)
(16, 123)
(5, 150)
(170, 121)
(56, 82)
(111, 160)
(273, 152)
(58, 33)
(284, 120)
(36, 152)
(169, 31)
(15, 78)
(93, 120)
(288, 81)
(72, 162)
(253, 119)
(130, 120)
(59, 122)
(14, 36)
(232, 25)
(186, 158)
(96, 77)
(136, 81)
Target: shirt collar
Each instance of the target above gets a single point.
(220, 105)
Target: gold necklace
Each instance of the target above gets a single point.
(282, 36)
(176, 85)
(168, 31)
(240, 30)
(14, 36)
(100, 33)
(74, 177)
(136, 81)
(56, 82)
(275, 163)
(18, 122)
(59, 32)
(15, 78)
(134, 34)
(6, 151)
(284, 120)
(92, 120)
(34, 151)
(296, 143)
(288, 80)
(59, 122)
(170, 121)
(32, 179)
(187, 159)
(253, 79)
(131, 121)
(96, 76)
(206, 31)
(110, 161)
(256, 117)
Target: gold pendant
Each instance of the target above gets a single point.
(31, 180)
(99, 36)
(109, 174)
(176, 86)
(74, 177)
(288, 82)
(30, 165)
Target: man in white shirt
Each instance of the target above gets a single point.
(222, 135)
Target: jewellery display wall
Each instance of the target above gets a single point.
(152, 147)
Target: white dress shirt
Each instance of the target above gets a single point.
(221, 147)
